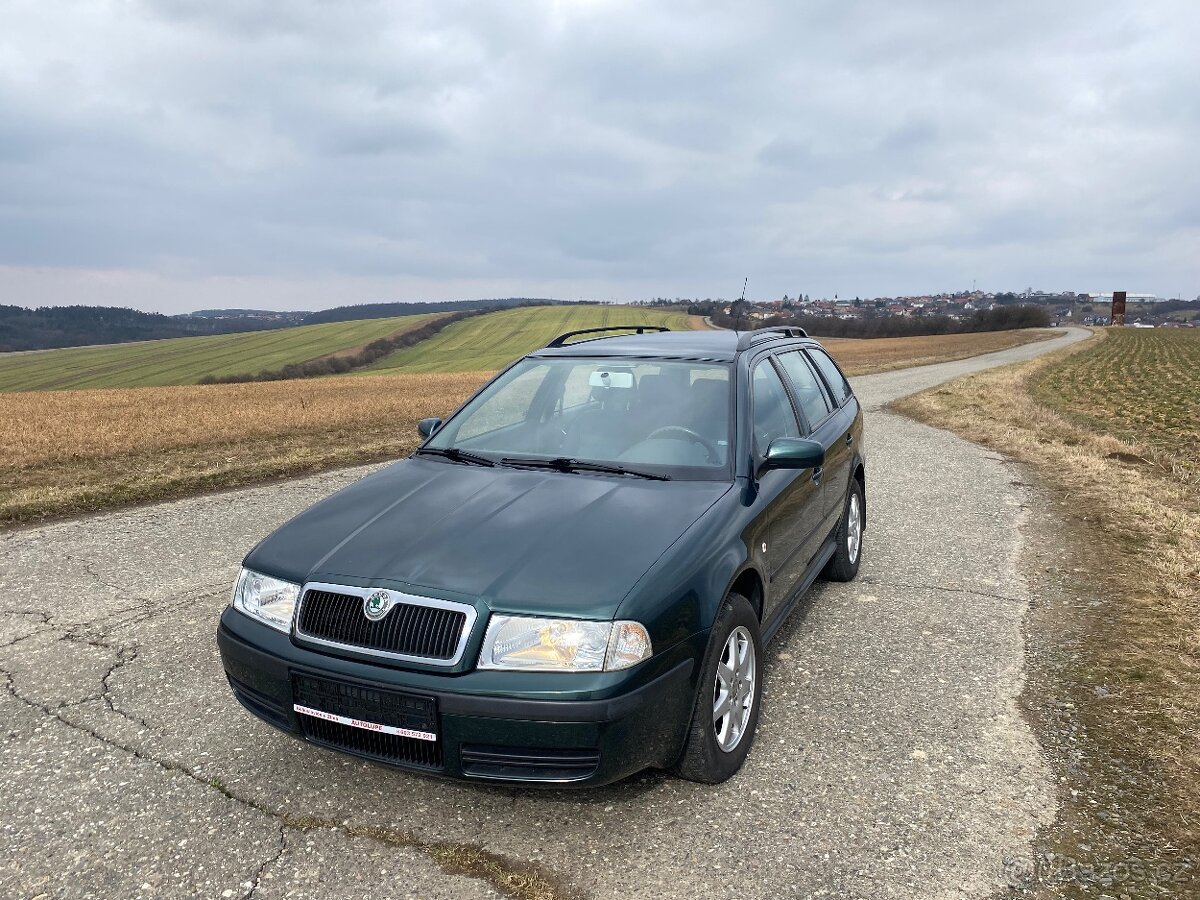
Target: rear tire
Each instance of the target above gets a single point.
(728, 699)
(849, 536)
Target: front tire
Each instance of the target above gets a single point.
(729, 698)
(849, 535)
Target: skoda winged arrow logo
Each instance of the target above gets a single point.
(377, 605)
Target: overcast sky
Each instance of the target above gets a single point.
(178, 154)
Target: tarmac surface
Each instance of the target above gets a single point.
(890, 761)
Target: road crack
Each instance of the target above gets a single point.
(142, 609)
(92, 573)
(45, 624)
(253, 883)
(125, 655)
(522, 881)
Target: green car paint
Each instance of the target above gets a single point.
(563, 544)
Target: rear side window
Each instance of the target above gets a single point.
(833, 377)
(773, 413)
(808, 391)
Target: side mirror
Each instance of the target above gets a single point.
(426, 427)
(794, 453)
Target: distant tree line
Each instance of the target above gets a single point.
(1163, 306)
(73, 326)
(387, 310)
(1002, 318)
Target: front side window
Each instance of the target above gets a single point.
(666, 415)
(805, 387)
(773, 415)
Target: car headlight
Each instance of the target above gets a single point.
(562, 645)
(270, 600)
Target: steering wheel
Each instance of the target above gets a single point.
(710, 449)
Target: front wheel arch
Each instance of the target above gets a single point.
(749, 584)
(703, 758)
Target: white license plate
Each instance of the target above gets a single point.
(364, 725)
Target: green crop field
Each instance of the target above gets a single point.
(1139, 384)
(187, 360)
(490, 342)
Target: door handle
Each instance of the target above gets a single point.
(817, 473)
(849, 438)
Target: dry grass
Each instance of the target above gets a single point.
(864, 357)
(69, 452)
(79, 451)
(1132, 499)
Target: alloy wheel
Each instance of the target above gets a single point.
(854, 528)
(733, 695)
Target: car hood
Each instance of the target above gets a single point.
(521, 540)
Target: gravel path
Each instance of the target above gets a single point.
(890, 761)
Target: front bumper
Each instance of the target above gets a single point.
(547, 728)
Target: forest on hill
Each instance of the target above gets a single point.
(48, 327)
(75, 326)
(387, 310)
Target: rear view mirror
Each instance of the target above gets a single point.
(611, 379)
(794, 453)
(426, 427)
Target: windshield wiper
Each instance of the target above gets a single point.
(567, 464)
(456, 455)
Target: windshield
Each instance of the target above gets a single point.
(670, 416)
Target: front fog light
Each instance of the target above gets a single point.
(562, 645)
(270, 600)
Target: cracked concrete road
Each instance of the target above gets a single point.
(890, 760)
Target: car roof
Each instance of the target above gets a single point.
(716, 345)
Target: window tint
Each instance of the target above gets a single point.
(649, 413)
(578, 388)
(808, 391)
(837, 384)
(773, 415)
(509, 405)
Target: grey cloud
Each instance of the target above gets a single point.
(914, 134)
(854, 147)
(788, 154)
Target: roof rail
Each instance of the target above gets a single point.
(746, 339)
(561, 340)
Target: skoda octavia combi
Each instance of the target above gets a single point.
(573, 577)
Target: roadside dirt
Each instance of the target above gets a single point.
(1118, 830)
(1112, 689)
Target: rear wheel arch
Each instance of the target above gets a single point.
(860, 475)
(847, 536)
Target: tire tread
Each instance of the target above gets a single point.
(703, 760)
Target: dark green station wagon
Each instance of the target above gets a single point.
(572, 579)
